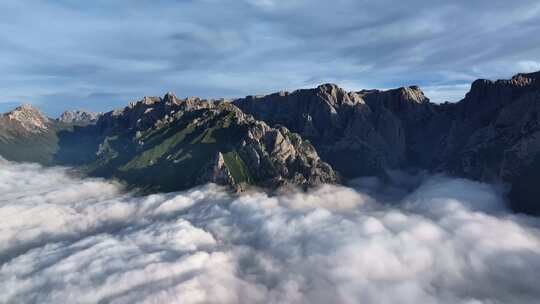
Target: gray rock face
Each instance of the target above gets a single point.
(79, 117)
(218, 172)
(491, 135)
(404, 118)
(321, 115)
(278, 156)
(263, 156)
(358, 133)
(494, 136)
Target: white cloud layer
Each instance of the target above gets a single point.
(65, 239)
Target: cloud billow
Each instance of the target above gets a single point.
(66, 239)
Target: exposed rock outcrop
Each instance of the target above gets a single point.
(358, 133)
(217, 172)
(495, 136)
(24, 119)
(79, 117)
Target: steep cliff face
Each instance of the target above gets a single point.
(403, 117)
(490, 135)
(337, 122)
(358, 133)
(495, 136)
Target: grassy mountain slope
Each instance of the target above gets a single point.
(169, 144)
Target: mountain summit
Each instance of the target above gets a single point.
(79, 117)
(25, 118)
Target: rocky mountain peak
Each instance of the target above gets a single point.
(330, 88)
(414, 94)
(336, 95)
(170, 98)
(29, 118)
(492, 94)
(79, 117)
(150, 100)
(28, 109)
(526, 80)
(402, 99)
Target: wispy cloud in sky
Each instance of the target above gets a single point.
(101, 54)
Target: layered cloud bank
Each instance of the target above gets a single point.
(65, 239)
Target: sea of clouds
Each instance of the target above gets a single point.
(67, 239)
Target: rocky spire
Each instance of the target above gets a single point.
(170, 98)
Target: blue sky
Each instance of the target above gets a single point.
(99, 55)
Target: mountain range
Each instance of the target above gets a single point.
(301, 138)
